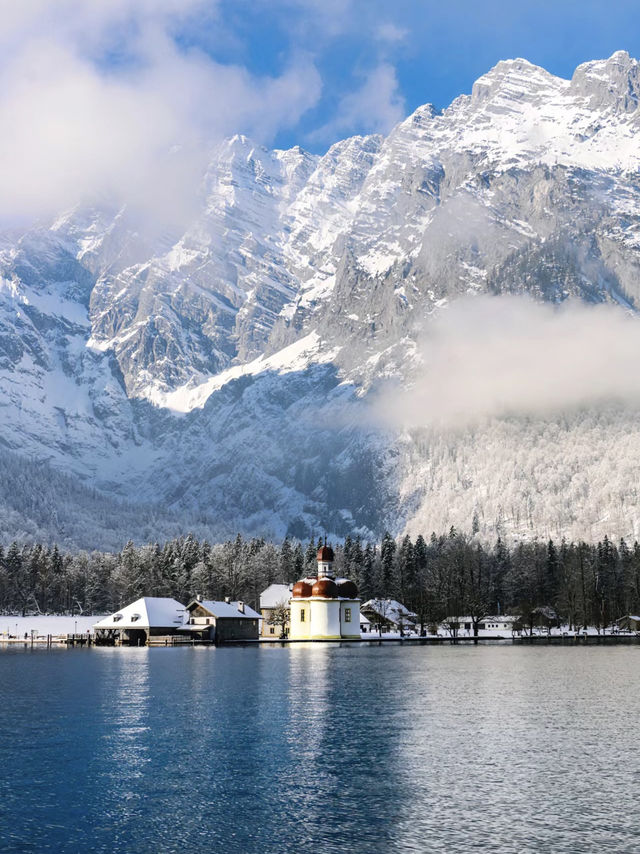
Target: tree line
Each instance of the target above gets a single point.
(442, 577)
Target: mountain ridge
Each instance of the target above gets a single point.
(129, 360)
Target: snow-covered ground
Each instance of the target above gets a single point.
(485, 634)
(11, 626)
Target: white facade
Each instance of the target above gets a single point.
(487, 626)
(318, 611)
(314, 618)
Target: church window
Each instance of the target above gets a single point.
(302, 615)
(347, 615)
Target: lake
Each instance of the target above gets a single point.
(320, 748)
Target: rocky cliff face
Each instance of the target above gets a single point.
(226, 369)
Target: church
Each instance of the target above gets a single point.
(325, 607)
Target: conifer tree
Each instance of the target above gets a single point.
(287, 571)
(310, 557)
(387, 558)
(298, 560)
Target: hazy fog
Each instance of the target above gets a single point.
(494, 356)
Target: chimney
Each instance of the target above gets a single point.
(199, 597)
(227, 599)
(241, 607)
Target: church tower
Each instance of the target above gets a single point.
(325, 607)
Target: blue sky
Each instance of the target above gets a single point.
(435, 49)
(123, 100)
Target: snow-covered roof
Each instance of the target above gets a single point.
(225, 609)
(364, 621)
(145, 613)
(275, 594)
(390, 609)
(504, 618)
(629, 617)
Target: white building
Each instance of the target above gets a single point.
(501, 623)
(325, 607)
(275, 597)
(389, 615)
(142, 619)
(488, 626)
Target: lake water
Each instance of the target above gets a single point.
(320, 748)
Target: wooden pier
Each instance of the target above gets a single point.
(177, 640)
(79, 640)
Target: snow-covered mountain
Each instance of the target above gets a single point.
(223, 373)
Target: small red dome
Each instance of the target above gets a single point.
(326, 588)
(348, 590)
(301, 590)
(325, 554)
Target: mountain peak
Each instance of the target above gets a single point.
(513, 78)
(612, 83)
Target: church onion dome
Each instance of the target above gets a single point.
(325, 588)
(347, 589)
(301, 590)
(325, 554)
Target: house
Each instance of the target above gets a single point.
(491, 625)
(324, 607)
(272, 601)
(365, 624)
(221, 621)
(501, 623)
(630, 623)
(389, 615)
(148, 617)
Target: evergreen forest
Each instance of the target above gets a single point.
(439, 578)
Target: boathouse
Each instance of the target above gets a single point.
(148, 617)
(220, 622)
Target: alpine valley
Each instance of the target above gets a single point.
(220, 379)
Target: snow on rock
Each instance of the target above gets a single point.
(226, 368)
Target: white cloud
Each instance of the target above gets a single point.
(373, 108)
(76, 127)
(391, 33)
(496, 356)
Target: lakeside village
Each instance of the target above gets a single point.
(322, 607)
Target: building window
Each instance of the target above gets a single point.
(302, 615)
(347, 615)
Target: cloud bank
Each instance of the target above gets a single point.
(501, 356)
(102, 102)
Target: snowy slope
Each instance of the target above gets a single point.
(225, 370)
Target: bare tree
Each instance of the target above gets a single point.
(280, 617)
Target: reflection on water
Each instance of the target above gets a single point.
(317, 747)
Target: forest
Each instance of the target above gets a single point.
(440, 577)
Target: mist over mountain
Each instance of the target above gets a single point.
(237, 371)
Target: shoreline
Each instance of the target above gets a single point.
(535, 640)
